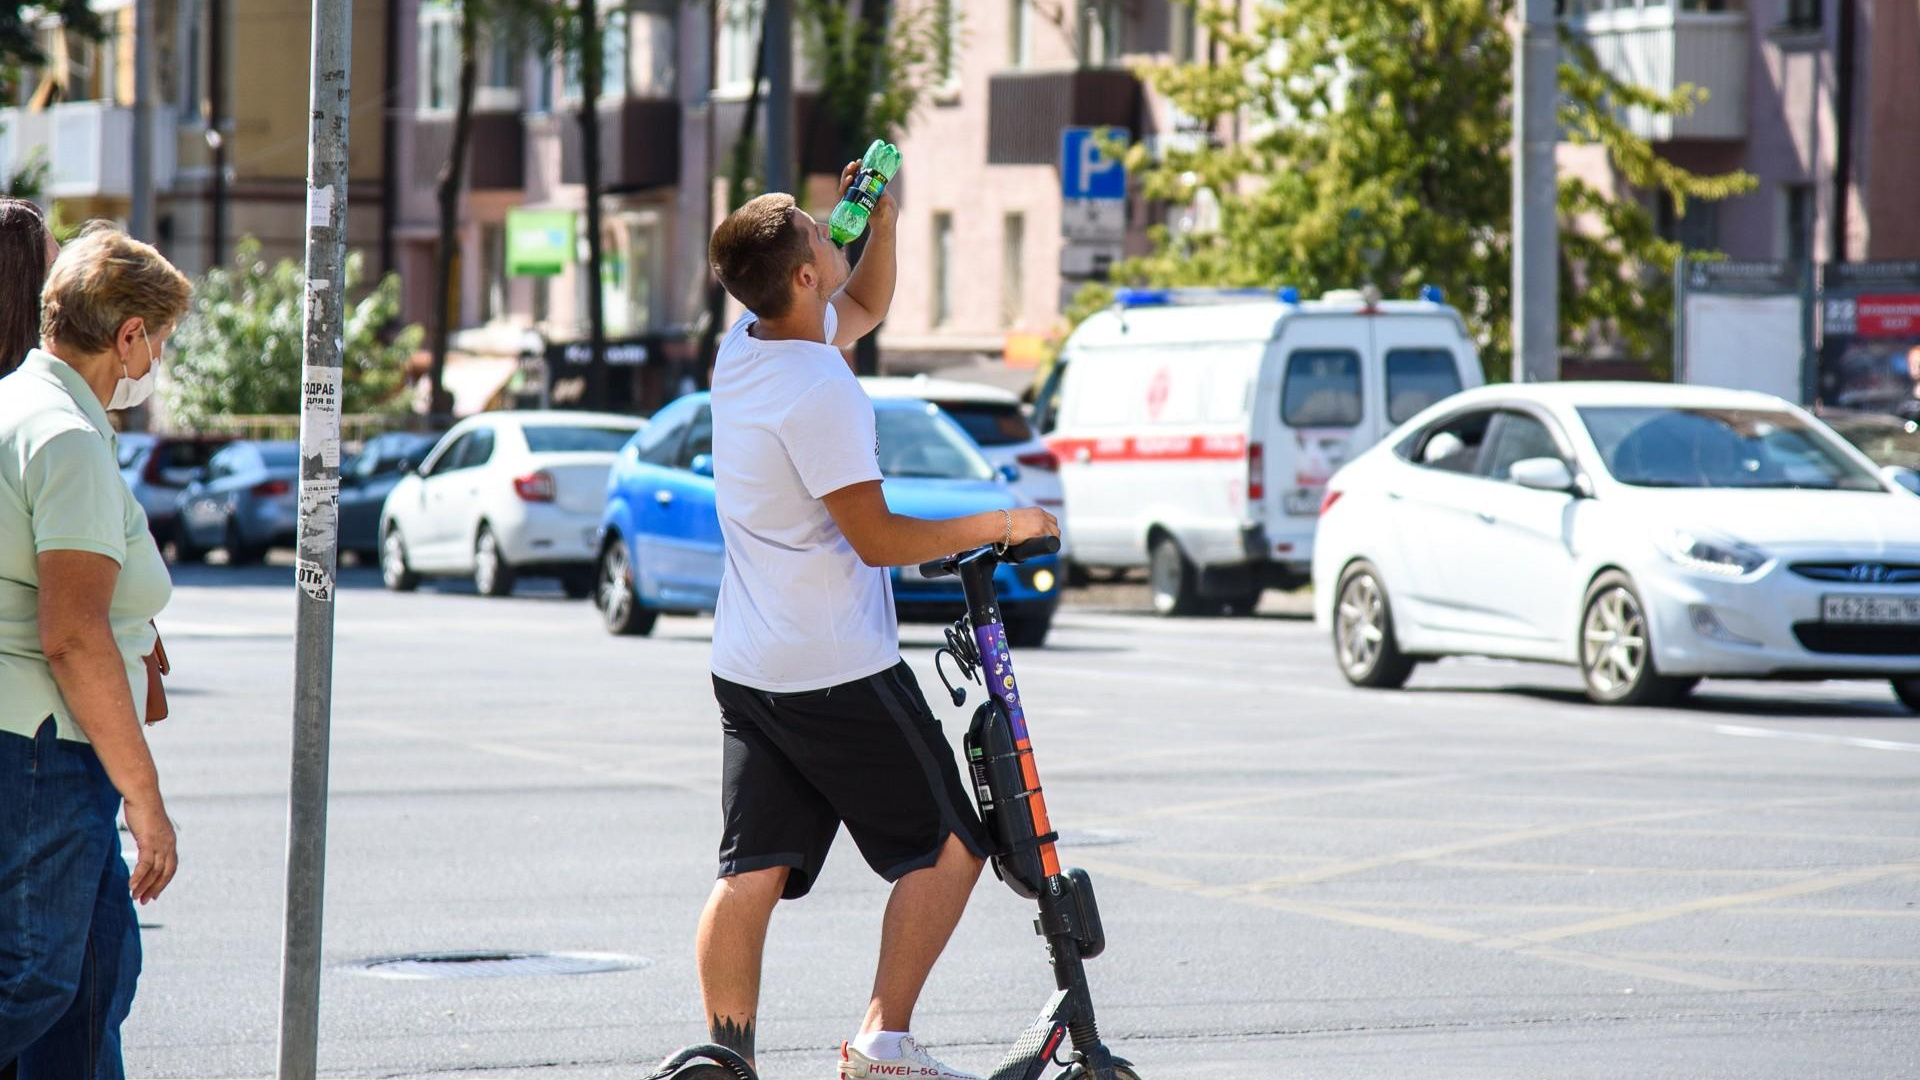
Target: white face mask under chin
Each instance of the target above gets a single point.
(129, 393)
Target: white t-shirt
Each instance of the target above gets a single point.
(798, 609)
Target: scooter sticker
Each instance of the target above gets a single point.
(992, 639)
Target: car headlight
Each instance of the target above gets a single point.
(1712, 555)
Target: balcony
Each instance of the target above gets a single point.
(639, 145)
(1027, 110)
(87, 146)
(1664, 45)
(496, 149)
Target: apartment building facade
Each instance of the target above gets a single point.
(1818, 99)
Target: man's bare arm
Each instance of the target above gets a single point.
(883, 538)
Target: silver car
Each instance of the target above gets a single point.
(246, 503)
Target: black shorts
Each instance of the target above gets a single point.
(867, 752)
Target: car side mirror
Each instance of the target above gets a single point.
(1542, 474)
(1902, 477)
(1010, 473)
(701, 465)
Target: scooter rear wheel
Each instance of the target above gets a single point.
(705, 1062)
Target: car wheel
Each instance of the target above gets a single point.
(1908, 691)
(1173, 578)
(1029, 631)
(239, 552)
(492, 574)
(1363, 638)
(1616, 648)
(395, 574)
(620, 608)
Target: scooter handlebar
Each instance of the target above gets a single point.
(1018, 553)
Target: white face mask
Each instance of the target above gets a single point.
(129, 392)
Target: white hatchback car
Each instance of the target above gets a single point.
(1650, 534)
(505, 495)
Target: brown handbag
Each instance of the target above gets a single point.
(157, 666)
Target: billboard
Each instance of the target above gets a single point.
(1870, 338)
(1740, 326)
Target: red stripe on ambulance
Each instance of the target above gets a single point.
(1228, 447)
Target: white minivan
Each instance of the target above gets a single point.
(1196, 428)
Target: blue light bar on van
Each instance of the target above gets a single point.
(1143, 297)
(1290, 294)
(1433, 294)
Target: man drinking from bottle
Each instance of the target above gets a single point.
(822, 722)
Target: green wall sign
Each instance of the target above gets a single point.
(539, 242)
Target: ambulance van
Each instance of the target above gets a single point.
(1197, 428)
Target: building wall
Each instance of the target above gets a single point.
(1889, 40)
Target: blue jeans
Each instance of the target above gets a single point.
(69, 939)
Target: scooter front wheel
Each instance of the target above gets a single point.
(1122, 1070)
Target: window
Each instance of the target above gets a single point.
(613, 60)
(660, 443)
(1518, 437)
(1102, 33)
(493, 269)
(990, 423)
(1013, 279)
(739, 42)
(699, 438)
(439, 58)
(1803, 14)
(280, 455)
(479, 449)
(1322, 389)
(942, 268)
(555, 439)
(923, 444)
(1019, 32)
(651, 42)
(1796, 224)
(946, 58)
(1416, 378)
(1698, 230)
(1720, 448)
(1454, 444)
(540, 100)
(1183, 31)
(449, 459)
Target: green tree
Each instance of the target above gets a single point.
(238, 351)
(876, 63)
(1377, 150)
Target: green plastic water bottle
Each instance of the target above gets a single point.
(877, 166)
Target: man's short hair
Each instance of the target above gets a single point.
(755, 252)
(103, 279)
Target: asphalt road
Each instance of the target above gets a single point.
(1479, 877)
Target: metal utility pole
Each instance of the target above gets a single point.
(1536, 239)
(778, 44)
(592, 57)
(140, 213)
(319, 536)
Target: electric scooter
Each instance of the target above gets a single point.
(1006, 784)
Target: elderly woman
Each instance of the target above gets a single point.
(27, 249)
(80, 582)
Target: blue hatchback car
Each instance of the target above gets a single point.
(660, 545)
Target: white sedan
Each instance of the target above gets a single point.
(1651, 535)
(505, 495)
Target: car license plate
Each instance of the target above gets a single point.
(1894, 610)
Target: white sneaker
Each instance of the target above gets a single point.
(913, 1062)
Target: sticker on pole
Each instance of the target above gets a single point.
(319, 480)
(320, 394)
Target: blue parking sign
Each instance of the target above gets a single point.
(1085, 171)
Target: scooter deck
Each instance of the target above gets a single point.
(1034, 1051)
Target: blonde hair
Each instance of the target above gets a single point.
(103, 279)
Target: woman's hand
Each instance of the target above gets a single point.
(153, 833)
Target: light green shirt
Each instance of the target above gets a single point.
(61, 490)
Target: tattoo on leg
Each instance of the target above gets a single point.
(734, 1033)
